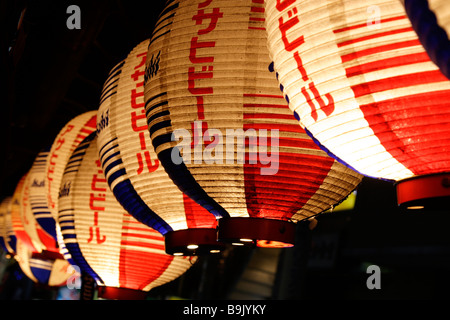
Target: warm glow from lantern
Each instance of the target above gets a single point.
(415, 207)
(222, 129)
(104, 240)
(363, 86)
(132, 167)
(273, 244)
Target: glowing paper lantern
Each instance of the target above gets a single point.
(431, 21)
(65, 142)
(36, 207)
(42, 269)
(210, 96)
(7, 234)
(39, 265)
(124, 256)
(365, 89)
(68, 138)
(133, 170)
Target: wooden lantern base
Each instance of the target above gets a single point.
(431, 192)
(258, 232)
(113, 293)
(193, 242)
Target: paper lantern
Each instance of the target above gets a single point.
(21, 226)
(363, 86)
(223, 131)
(431, 21)
(36, 207)
(133, 170)
(124, 256)
(42, 269)
(65, 142)
(39, 265)
(68, 138)
(8, 237)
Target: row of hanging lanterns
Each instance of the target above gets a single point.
(233, 122)
(20, 239)
(126, 262)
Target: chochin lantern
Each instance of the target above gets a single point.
(223, 131)
(40, 268)
(431, 21)
(133, 170)
(21, 226)
(365, 89)
(24, 222)
(124, 256)
(65, 142)
(68, 138)
(36, 207)
(9, 240)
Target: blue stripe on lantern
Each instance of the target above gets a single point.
(12, 241)
(68, 226)
(3, 244)
(76, 257)
(169, 7)
(184, 180)
(179, 173)
(434, 38)
(41, 269)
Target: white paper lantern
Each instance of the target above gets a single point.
(44, 270)
(360, 82)
(7, 234)
(210, 96)
(124, 256)
(132, 168)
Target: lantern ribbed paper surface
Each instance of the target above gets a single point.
(6, 230)
(360, 82)
(36, 206)
(21, 225)
(210, 96)
(65, 142)
(103, 239)
(431, 21)
(133, 170)
(43, 270)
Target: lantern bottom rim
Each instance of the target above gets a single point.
(260, 232)
(117, 293)
(192, 242)
(52, 255)
(430, 192)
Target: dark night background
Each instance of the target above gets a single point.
(52, 74)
